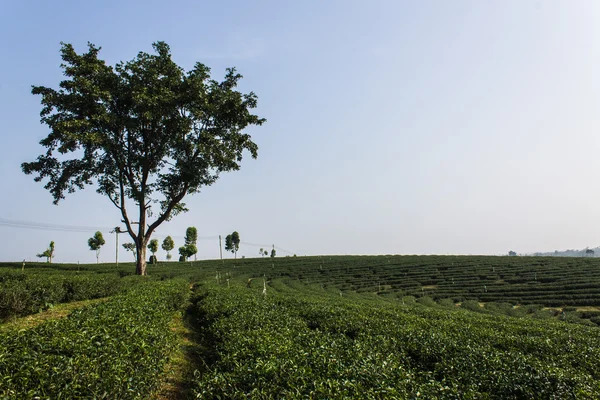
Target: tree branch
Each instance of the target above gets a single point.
(163, 217)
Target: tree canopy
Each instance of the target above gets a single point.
(187, 251)
(131, 247)
(232, 242)
(95, 243)
(167, 245)
(153, 246)
(48, 253)
(228, 243)
(144, 132)
(235, 241)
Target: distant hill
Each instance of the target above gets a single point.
(587, 252)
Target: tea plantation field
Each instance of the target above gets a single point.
(380, 327)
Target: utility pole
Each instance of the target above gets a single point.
(117, 230)
(220, 248)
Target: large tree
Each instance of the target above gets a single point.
(95, 243)
(144, 132)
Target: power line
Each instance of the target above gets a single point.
(267, 245)
(15, 223)
(255, 244)
(284, 250)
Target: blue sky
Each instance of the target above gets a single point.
(394, 127)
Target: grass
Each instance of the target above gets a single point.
(180, 368)
(56, 312)
(187, 360)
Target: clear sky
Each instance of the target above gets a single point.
(394, 127)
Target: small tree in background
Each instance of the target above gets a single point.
(228, 243)
(265, 252)
(191, 237)
(186, 252)
(235, 241)
(167, 245)
(95, 243)
(48, 253)
(232, 243)
(273, 253)
(131, 247)
(153, 247)
(261, 251)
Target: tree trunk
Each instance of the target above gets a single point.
(141, 241)
(140, 267)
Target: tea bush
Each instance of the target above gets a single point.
(301, 343)
(23, 294)
(113, 350)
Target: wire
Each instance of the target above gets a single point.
(15, 223)
(45, 226)
(284, 250)
(268, 245)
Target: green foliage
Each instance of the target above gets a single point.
(427, 301)
(228, 243)
(549, 281)
(189, 249)
(130, 247)
(23, 294)
(153, 246)
(311, 335)
(143, 130)
(235, 241)
(116, 349)
(232, 243)
(48, 253)
(167, 245)
(472, 305)
(95, 243)
(447, 303)
(273, 253)
(191, 235)
(294, 344)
